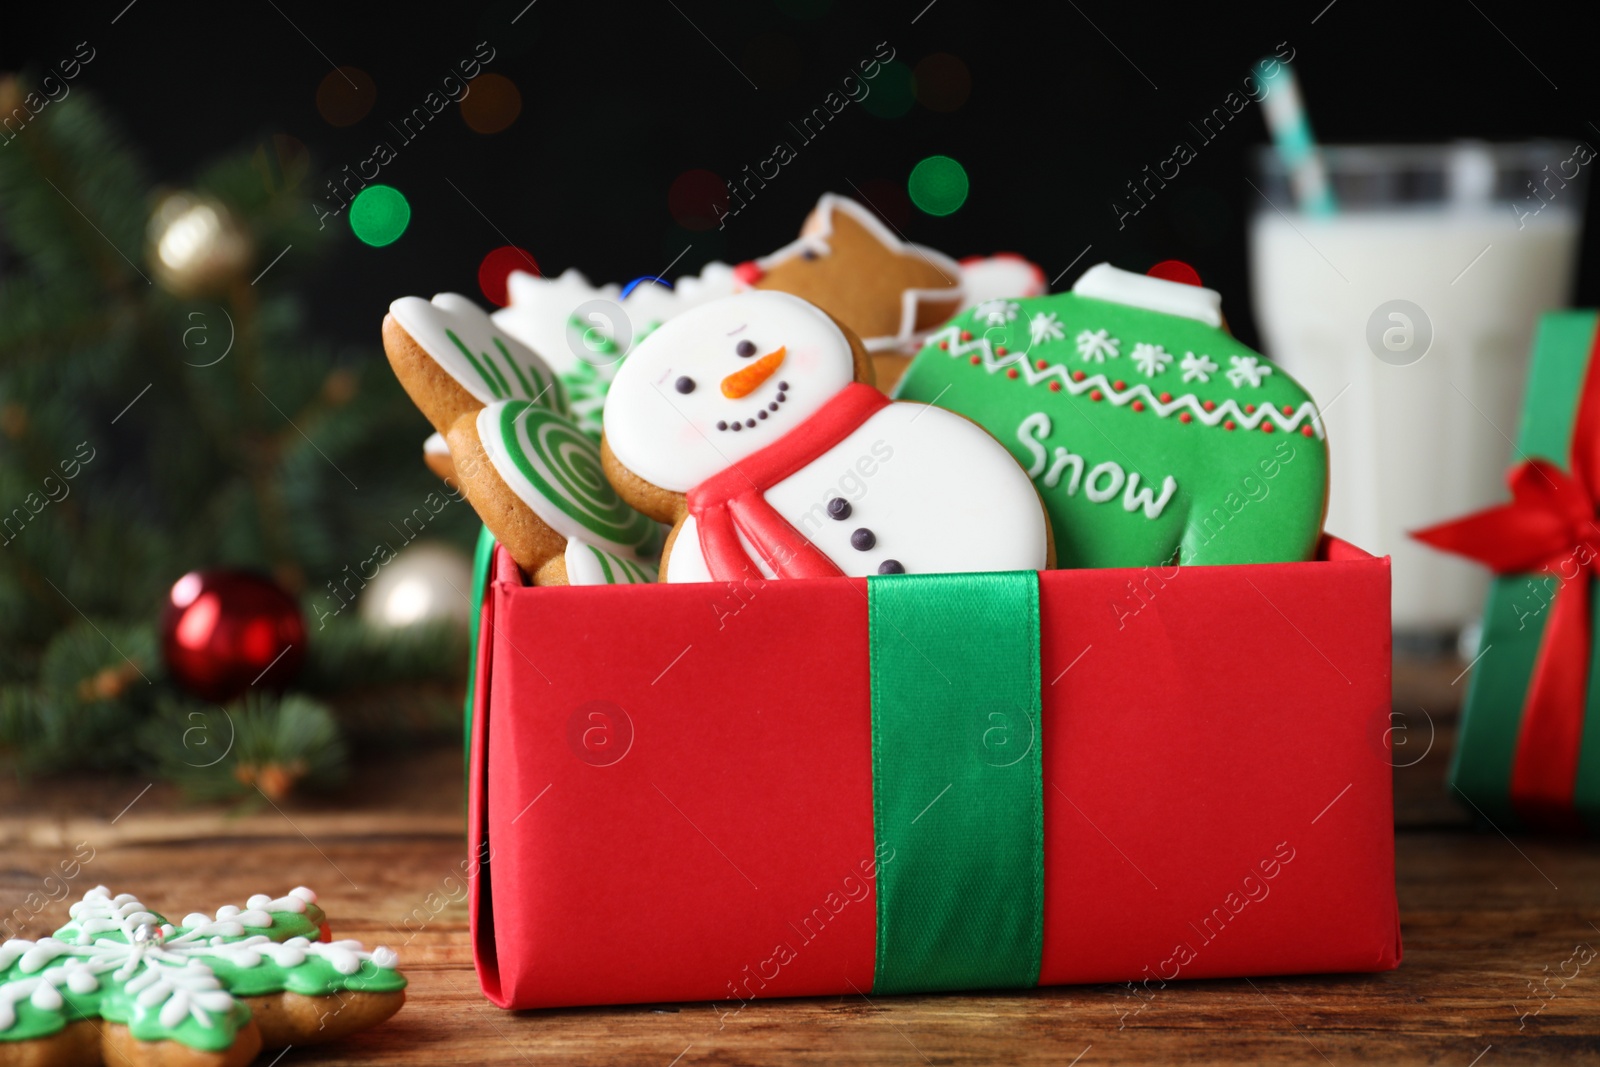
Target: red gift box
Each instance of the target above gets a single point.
(671, 786)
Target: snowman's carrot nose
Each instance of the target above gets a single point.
(747, 380)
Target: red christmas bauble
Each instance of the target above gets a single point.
(224, 631)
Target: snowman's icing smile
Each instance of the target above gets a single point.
(761, 415)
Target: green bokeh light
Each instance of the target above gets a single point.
(892, 92)
(938, 185)
(379, 215)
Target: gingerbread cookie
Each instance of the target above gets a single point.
(752, 425)
(436, 456)
(453, 359)
(884, 290)
(584, 331)
(119, 984)
(1153, 435)
(536, 481)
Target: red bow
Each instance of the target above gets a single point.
(1550, 525)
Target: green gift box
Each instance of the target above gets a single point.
(1528, 751)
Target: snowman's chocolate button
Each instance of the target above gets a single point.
(745, 348)
(684, 385)
(863, 539)
(891, 566)
(839, 508)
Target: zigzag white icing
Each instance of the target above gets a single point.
(949, 338)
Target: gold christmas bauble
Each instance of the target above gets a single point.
(197, 246)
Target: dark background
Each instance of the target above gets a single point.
(618, 100)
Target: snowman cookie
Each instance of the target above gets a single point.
(750, 424)
(119, 984)
(1153, 435)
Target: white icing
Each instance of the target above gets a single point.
(946, 498)
(1097, 346)
(1001, 275)
(585, 567)
(942, 496)
(1044, 328)
(555, 439)
(670, 439)
(814, 239)
(1247, 370)
(501, 366)
(1102, 481)
(540, 313)
(687, 563)
(168, 975)
(1105, 282)
(435, 445)
(1306, 414)
(1197, 368)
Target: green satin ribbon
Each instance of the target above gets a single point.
(482, 559)
(957, 780)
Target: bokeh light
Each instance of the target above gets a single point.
(379, 215)
(943, 82)
(888, 199)
(696, 199)
(938, 185)
(1175, 270)
(495, 272)
(894, 90)
(345, 96)
(492, 103)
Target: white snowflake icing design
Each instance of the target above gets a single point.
(1197, 368)
(1247, 370)
(996, 312)
(1096, 346)
(1151, 359)
(161, 968)
(1044, 327)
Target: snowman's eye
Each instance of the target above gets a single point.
(746, 349)
(684, 385)
(808, 254)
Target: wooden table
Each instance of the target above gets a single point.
(1487, 921)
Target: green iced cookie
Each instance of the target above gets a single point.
(1152, 434)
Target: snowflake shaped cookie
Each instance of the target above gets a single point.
(118, 977)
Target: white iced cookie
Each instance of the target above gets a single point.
(452, 359)
(751, 424)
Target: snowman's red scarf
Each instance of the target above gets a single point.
(731, 503)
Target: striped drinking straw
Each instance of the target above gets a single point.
(1285, 113)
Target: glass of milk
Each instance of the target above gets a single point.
(1409, 315)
